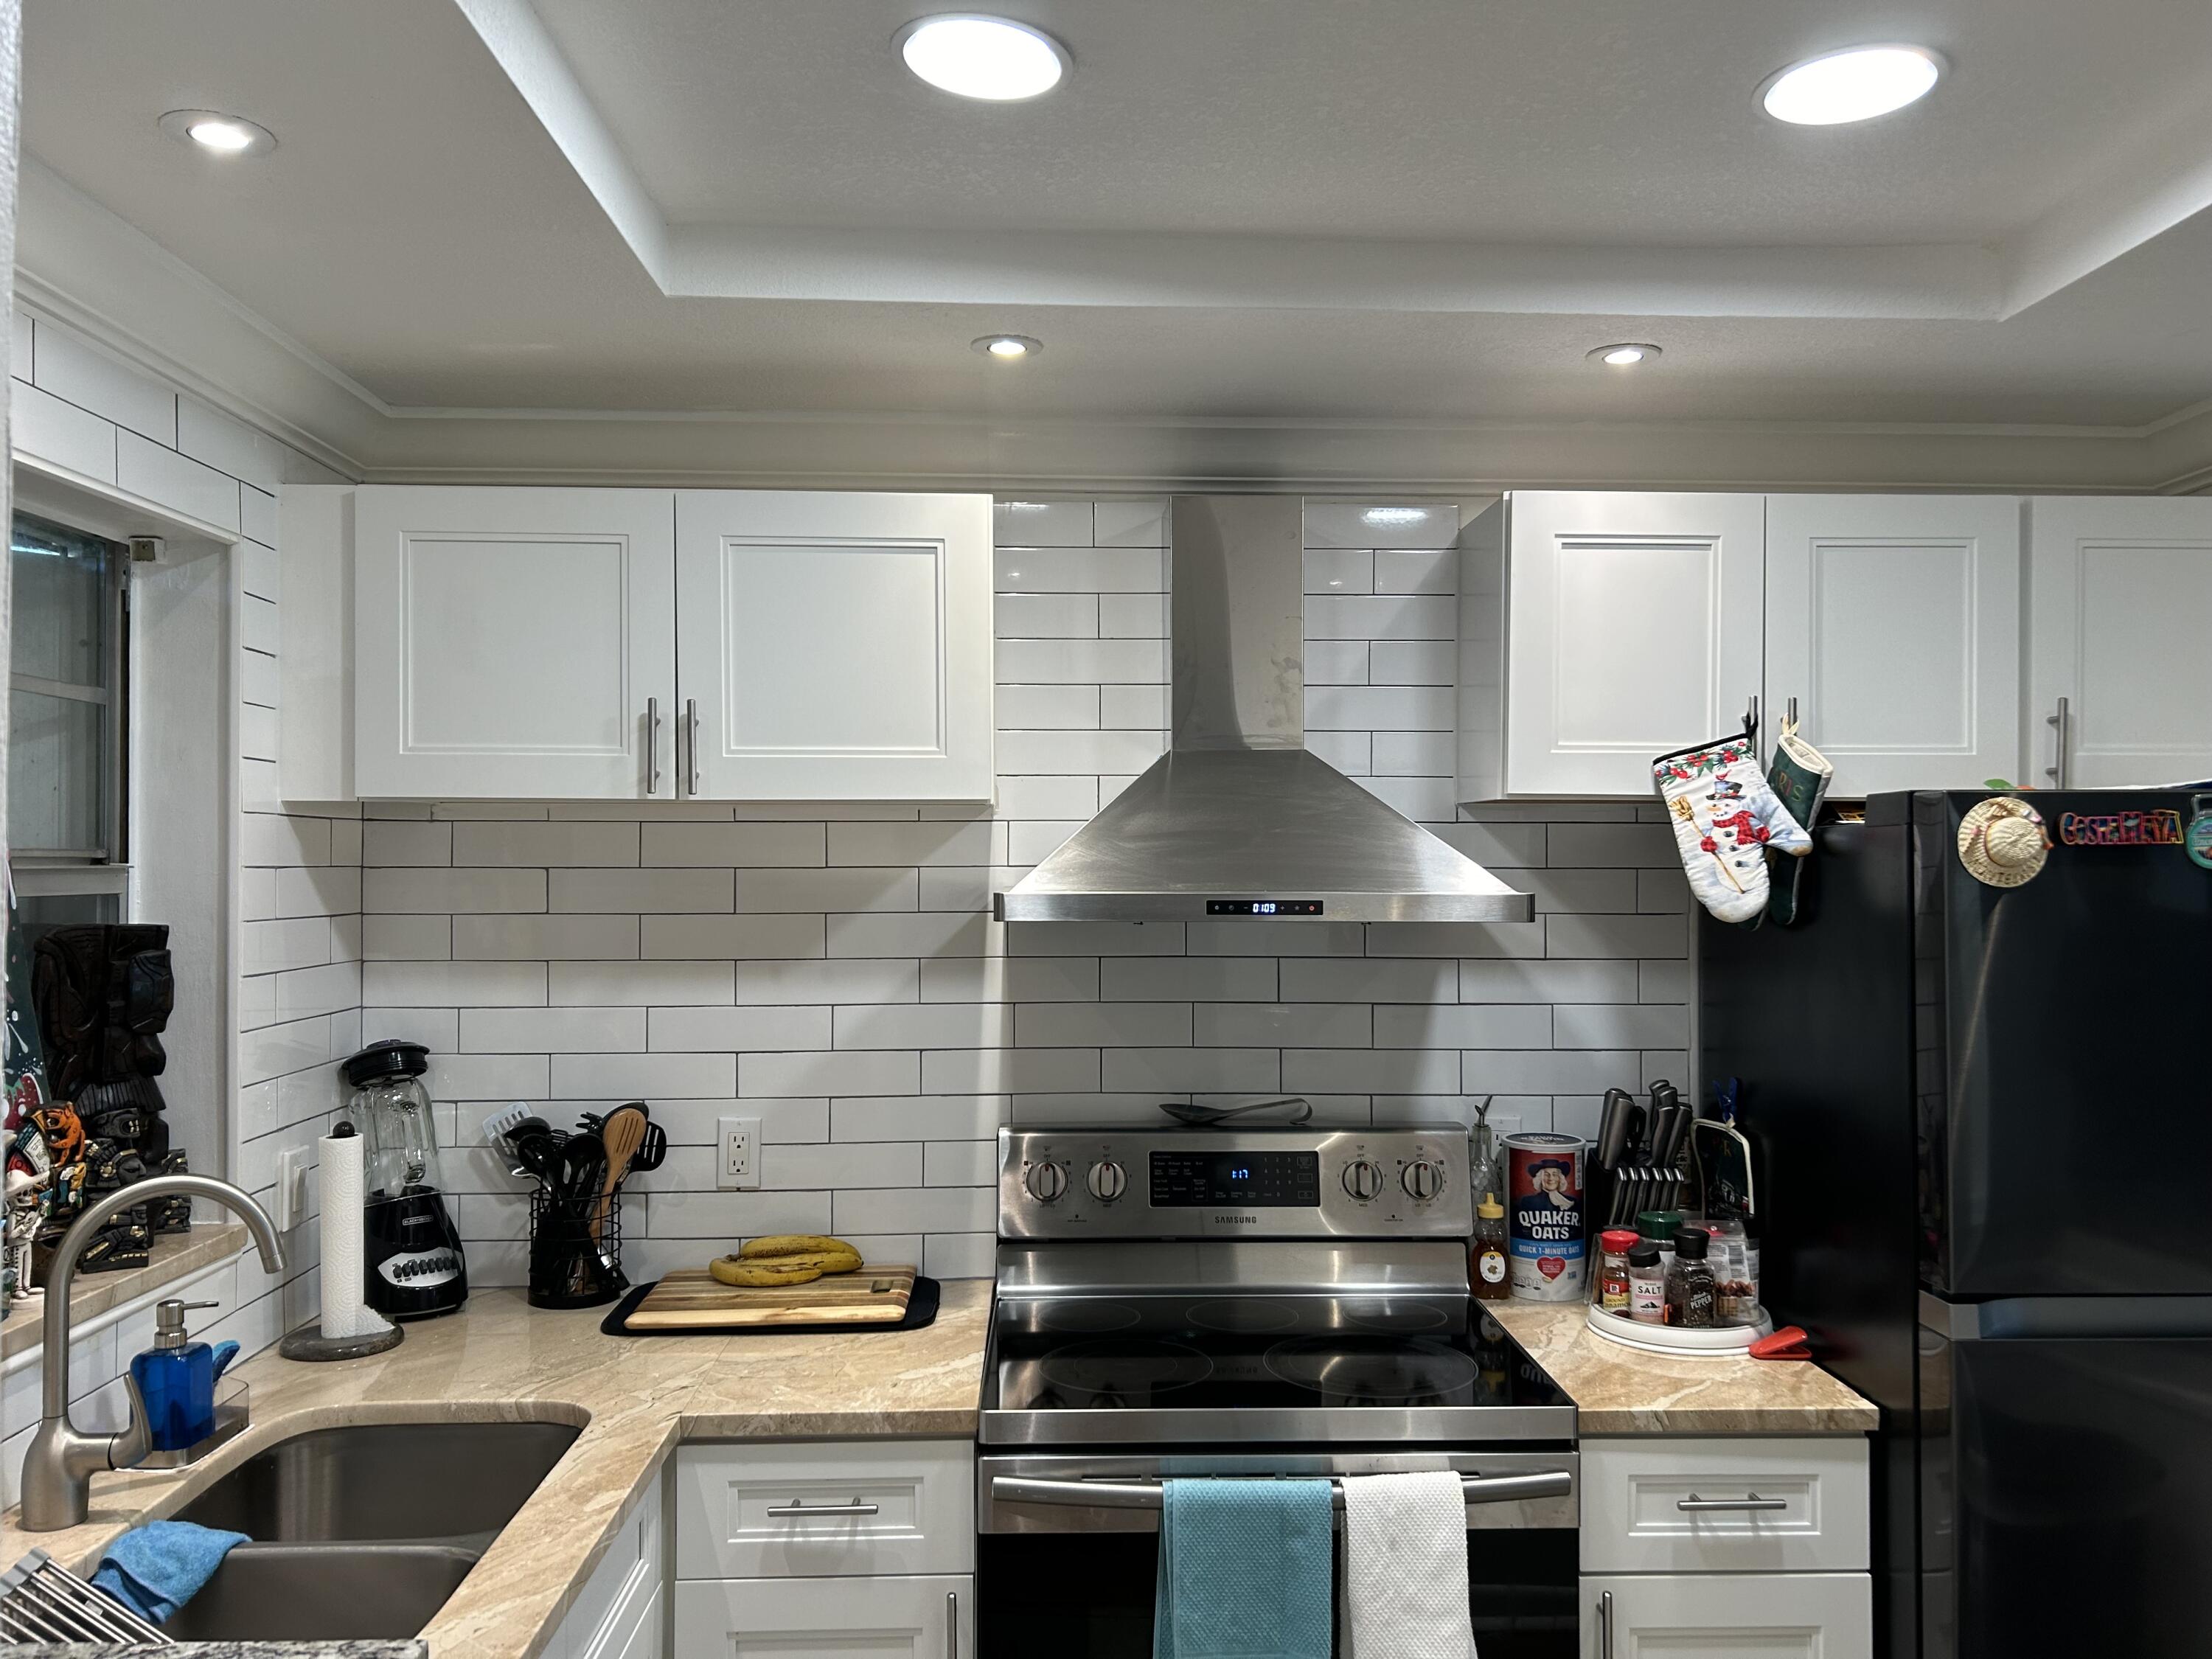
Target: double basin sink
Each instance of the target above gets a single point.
(360, 1532)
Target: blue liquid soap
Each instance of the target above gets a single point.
(176, 1379)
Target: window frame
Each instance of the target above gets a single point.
(90, 871)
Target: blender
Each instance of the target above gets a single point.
(411, 1254)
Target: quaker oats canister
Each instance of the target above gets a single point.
(1545, 1236)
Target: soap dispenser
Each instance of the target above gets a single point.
(176, 1378)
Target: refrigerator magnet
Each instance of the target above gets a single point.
(2002, 842)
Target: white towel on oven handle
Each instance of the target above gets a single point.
(1403, 1574)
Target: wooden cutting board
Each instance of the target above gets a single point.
(690, 1299)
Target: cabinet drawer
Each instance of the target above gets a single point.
(1644, 1505)
(931, 1618)
(885, 1506)
(633, 1557)
(1775, 1615)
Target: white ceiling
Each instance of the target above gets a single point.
(1259, 211)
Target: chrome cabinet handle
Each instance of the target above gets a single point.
(653, 745)
(796, 1507)
(2061, 723)
(1694, 1505)
(1605, 1625)
(1793, 712)
(952, 1624)
(691, 745)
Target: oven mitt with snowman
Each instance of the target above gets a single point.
(1725, 817)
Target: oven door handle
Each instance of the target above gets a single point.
(1150, 1494)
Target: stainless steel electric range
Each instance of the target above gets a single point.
(1254, 1302)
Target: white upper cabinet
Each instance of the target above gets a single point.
(2122, 612)
(514, 643)
(1633, 625)
(835, 647)
(1893, 623)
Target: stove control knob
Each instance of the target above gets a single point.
(1422, 1179)
(1108, 1181)
(1363, 1179)
(1046, 1182)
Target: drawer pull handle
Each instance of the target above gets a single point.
(856, 1507)
(1694, 1505)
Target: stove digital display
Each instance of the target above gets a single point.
(1186, 1181)
(1263, 907)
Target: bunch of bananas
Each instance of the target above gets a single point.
(785, 1259)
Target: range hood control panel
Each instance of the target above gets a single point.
(1298, 1182)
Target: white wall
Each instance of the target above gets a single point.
(835, 971)
(281, 997)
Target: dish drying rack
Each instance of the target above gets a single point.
(42, 1601)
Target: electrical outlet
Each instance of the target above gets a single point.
(739, 1165)
(291, 1204)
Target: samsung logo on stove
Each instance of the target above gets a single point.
(1241, 1220)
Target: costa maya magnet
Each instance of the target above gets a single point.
(2198, 836)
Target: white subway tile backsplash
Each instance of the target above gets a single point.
(627, 1077)
(734, 846)
(1081, 570)
(738, 938)
(552, 1030)
(1041, 523)
(1087, 753)
(1048, 616)
(544, 938)
(933, 934)
(1180, 979)
(176, 482)
(924, 1026)
(774, 984)
(1048, 707)
(1008, 1071)
(656, 892)
(1396, 616)
(1190, 1071)
(740, 1030)
(1348, 571)
(917, 1117)
(452, 891)
(544, 844)
(1402, 570)
(73, 369)
(1463, 1026)
(642, 984)
(1102, 1025)
(1141, 523)
(55, 431)
(1283, 1025)
(1412, 662)
(981, 840)
(850, 888)
(857, 1071)
(1381, 524)
(1081, 662)
(1133, 615)
(385, 842)
(454, 984)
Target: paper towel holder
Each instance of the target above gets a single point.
(309, 1343)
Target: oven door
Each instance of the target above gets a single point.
(1069, 1545)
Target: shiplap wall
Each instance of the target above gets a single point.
(835, 972)
(295, 980)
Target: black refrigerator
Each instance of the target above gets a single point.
(1985, 1117)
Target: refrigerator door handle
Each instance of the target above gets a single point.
(2061, 722)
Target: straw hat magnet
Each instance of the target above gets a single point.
(2002, 842)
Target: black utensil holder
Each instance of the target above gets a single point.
(570, 1266)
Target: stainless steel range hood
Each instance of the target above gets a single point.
(1238, 819)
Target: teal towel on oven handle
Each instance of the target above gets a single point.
(1245, 1571)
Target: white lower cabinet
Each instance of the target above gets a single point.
(1757, 1548)
(825, 1549)
(1767, 1615)
(932, 1617)
(621, 1612)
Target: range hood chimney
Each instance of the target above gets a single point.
(1237, 819)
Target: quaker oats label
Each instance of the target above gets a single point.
(1544, 1221)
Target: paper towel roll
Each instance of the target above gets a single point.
(344, 1312)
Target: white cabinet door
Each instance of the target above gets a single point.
(1892, 622)
(1633, 628)
(1769, 1615)
(927, 1618)
(2121, 605)
(835, 647)
(513, 642)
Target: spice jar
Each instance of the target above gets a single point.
(1692, 1298)
(1614, 1245)
(1737, 1290)
(1660, 1226)
(1647, 1284)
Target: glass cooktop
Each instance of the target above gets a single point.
(1245, 1368)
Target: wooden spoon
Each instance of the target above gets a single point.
(621, 1131)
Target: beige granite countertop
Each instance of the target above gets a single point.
(637, 1398)
(1618, 1390)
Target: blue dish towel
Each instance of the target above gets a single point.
(1245, 1571)
(156, 1568)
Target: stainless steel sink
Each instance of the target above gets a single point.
(383, 1481)
(362, 1531)
(322, 1592)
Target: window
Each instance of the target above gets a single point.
(68, 733)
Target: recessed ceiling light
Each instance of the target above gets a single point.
(218, 134)
(974, 55)
(1006, 348)
(1628, 352)
(1855, 84)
